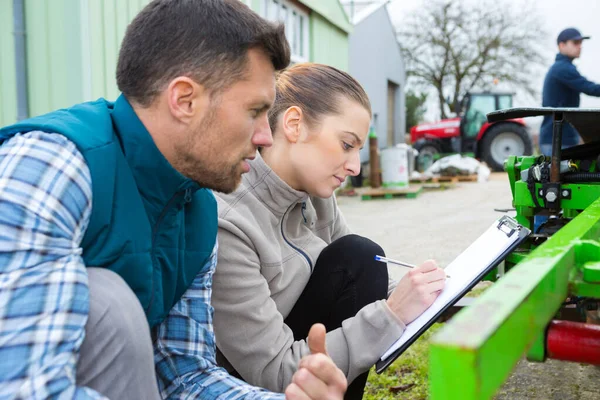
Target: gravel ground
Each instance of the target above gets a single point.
(439, 224)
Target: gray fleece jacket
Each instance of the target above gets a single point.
(270, 237)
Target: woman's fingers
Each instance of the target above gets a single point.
(426, 266)
(436, 286)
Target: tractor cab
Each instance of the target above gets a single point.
(474, 117)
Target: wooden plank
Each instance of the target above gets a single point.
(450, 179)
(467, 178)
(438, 185)
(384, 193)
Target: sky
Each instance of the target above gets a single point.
(557, 15)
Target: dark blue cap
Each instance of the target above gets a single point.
(570, 34)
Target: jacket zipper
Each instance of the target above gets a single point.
(304, 209)
(290, 243)
(155, 232)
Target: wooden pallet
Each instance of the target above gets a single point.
(451, 179)
(438, 185)
(383, 193)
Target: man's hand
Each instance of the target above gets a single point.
(317, 377)
(416, 291)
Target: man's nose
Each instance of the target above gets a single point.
(262, 136)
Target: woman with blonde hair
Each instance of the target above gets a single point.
(287, 259)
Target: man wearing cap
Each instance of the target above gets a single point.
(562, 87)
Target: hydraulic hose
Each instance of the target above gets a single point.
(581, 177)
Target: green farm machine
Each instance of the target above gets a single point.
(529, 310)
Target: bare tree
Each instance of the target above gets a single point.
(459, 46)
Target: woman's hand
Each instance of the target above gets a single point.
(416, 291)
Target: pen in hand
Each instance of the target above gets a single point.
(389, 260)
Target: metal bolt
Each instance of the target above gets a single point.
(565, 193)
(551, 197)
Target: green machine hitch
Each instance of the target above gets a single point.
(558, 268)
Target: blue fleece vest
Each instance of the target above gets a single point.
(150, 224)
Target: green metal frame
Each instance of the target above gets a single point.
(472, 356)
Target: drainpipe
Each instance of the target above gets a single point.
(20, 59)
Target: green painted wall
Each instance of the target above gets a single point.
(72, 50)
(328, 44)
(256, 5)
(53, 54)
(108, 20)
(8, 90)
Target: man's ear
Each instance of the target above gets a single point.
(186, 98)
(561, 46)
(292, 119)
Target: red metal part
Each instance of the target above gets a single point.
(448, 128)
(437, 130)
(573, 341)
(486, 125)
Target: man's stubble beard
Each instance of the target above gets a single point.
(209, 171)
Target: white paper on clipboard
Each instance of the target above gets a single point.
(464, 270)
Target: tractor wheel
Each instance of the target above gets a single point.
(427, 154)
(504, 140)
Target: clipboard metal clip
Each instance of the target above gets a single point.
(508, 225)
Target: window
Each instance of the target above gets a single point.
(479, 106)
(504, 101)
(296, 26)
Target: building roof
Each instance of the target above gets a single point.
(364, 12)
(332, 10)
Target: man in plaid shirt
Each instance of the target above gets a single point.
(197, 78)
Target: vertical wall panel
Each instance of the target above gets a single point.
(256, 5)
(53, 54)
(108, 20)
(96, 46)
(328, 44)
(72, 51)
(110, 50)
(8, 89)
(38, 66)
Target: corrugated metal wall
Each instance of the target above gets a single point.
(256, 5)
(53, 54)
(8, 89)
(107, 20)
(72, 50)
(328, 43)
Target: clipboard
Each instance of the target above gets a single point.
(485, 253)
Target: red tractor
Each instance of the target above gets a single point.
(471, 133)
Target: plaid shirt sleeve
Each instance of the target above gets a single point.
(45, 205)
(185, 350)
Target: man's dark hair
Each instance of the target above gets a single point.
(207, 40)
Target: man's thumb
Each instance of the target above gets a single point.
(316, 339)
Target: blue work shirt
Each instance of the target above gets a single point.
(562, 87)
